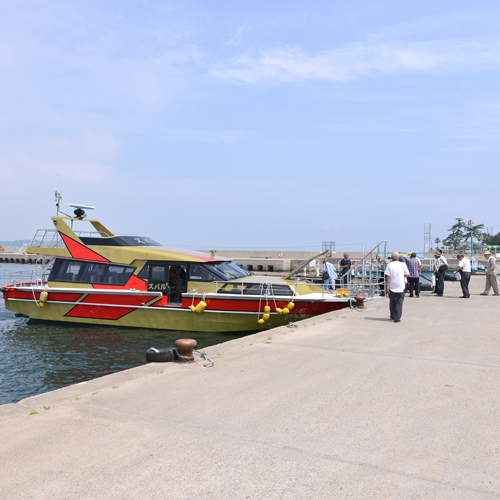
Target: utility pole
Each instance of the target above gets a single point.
(330, 246)
(471, 242)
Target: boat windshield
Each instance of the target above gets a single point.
(230, 270)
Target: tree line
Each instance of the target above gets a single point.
(459, 236)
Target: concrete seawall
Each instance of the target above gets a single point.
(348, 405)
(19, 256)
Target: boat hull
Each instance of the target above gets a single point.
(143, 310)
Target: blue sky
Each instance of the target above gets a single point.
(252, 125)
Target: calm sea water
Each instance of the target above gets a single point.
(38, 357)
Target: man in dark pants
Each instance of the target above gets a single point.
(440, 267)
(395, 274)
(415, 267)
(345, 266)
(465, 272)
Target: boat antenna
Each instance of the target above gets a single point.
(58, 198)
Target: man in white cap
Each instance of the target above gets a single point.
(491, 274)
(395, 274)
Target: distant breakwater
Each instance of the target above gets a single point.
(19, 256)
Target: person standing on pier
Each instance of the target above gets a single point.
(415, 268)
(440, 267)
(491, 274)
(329, 274)
(395, 273)
(345, 267)
(465, 271)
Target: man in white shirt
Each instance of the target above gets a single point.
(396, 273)
(465, 271)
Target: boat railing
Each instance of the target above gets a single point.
(269, 290)
(91, 234)
(366, 277)
(266, 288)
(47, 238)
(50, 238)
(31, 277)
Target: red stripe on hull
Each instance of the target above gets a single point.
(108, 311)
(98, 312)
(118, 299)
(64, 297)
(17, 294)
(253, 306)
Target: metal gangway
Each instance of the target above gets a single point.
(367, 276)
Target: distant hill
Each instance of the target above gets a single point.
(15, 244)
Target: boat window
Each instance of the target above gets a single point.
(120, 241)
(144, 272)
(92, 273)
(230, 270)
(202, 272)
(282, 290)
(117, 275)
(158, 273)
(77, 271)
(232, 288)
(66, 270)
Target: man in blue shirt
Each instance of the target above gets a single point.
(330, 271)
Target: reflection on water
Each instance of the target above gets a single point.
(37, 357)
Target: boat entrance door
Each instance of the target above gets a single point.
(177, 283)
(170, 279)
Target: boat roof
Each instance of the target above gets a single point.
(105, 246)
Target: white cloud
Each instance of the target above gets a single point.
(357, 60)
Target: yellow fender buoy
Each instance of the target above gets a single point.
(193, 309)
(265, 317)
(261, 321)
(200, 307)
(290, 306)
(267, 309)
(43, 298)
(279, 311)
(286, 310)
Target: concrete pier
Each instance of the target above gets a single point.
(19, 256)
(349, 405)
